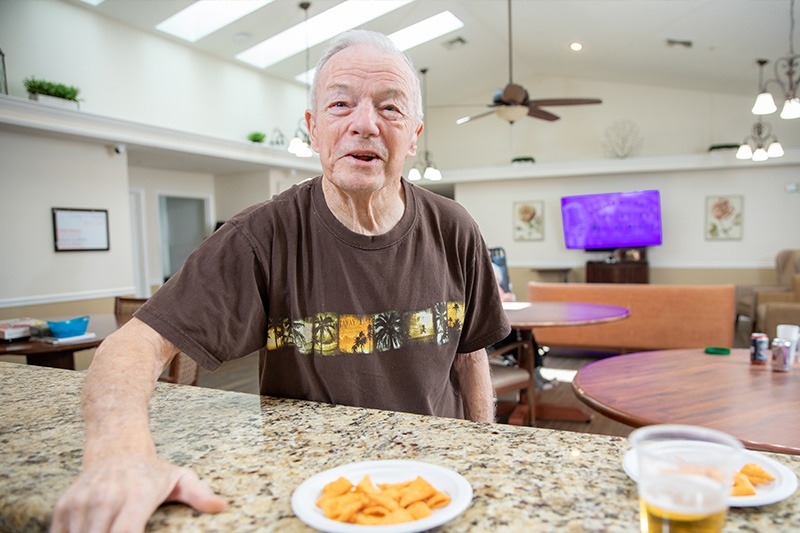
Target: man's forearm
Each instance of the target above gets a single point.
(117, 392)
(476, 385)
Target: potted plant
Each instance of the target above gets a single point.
(256, 137)
(51, 92)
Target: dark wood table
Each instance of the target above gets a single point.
(751, 402)
(525, 316)
(61, 355)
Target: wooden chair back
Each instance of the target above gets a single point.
(516, 377)
(182, 369)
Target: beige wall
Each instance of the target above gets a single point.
(159, 182)
(771, 216)
(132, 75)
(39, 173)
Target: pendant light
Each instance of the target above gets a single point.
(300, 145)
(788, 80)
(425, 168)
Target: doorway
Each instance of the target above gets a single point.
(184, 222)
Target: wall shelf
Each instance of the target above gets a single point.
(146, 145)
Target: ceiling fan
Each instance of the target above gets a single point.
(512, 102)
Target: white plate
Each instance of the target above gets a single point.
(784, 485)
(443, 479)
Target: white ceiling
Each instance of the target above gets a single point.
(624, 41)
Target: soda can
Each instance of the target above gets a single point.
(759, 348)
(781, 355)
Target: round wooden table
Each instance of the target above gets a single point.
(524, 316)
(725, 392)
(61, 355)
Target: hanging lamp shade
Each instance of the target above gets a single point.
(764, 105)
(791, 108)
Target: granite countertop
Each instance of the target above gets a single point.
(255, 451)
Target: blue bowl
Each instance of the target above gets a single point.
(69, 328)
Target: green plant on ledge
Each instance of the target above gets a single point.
(524, 159)
(49, 88)
(257, 137)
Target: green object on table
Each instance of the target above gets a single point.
(712, 350)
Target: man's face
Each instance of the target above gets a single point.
(364, 126)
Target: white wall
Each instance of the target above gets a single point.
(670, 121)
(235, 192)
(157, 182)
(131, 75)
(38, 173)
(771, 215)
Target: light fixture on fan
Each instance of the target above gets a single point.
(300, 145)
(425, 168)
(788, 80)
(761, 145)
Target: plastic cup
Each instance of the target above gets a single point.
(791, 333)
(685, 477)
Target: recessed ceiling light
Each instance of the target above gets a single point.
(93, 2)
(207, 16)
(322, 27)
(576, 47)
(411, 36)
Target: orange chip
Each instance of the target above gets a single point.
(419, 510)
(386, 503)
(440, 499)
(756, 474)
(742, 485)
(417, 491)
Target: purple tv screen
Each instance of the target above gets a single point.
(612, 220)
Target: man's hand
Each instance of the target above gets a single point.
(121, 494)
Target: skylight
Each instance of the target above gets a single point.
(411, 36)
(322, 27)
(207, 16)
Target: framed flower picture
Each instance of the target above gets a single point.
(724, 218)
(529, 221)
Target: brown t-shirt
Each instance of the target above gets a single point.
(339, 317)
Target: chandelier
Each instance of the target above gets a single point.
(753, 146)
(788, 80)
(300, 145)
(761, 144)
(425, 168)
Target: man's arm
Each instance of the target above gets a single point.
(476, 385)
(123, 481)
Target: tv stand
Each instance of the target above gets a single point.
(617, 272)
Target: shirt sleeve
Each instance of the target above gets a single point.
(213, 308)
(485, 321)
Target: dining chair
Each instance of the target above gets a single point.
(182, 369)
(511, 373)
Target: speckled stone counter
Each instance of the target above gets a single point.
(255, 451)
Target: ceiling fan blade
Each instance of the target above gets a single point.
(565, 101)
(535, 112)
(464, 120)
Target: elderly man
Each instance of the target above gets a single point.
(357, 287)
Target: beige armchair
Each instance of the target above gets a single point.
(779, 308)
(749, 297)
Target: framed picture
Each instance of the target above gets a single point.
(724, 218)
(529, 221)
(80, 230)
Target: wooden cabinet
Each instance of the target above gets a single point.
(619, 272)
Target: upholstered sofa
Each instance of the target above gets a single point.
(661, 316)
(781, 308)
(750, 297)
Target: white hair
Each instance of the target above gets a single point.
(376, 40)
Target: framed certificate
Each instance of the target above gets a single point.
(80, 230)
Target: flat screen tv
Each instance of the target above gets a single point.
(612, 220)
